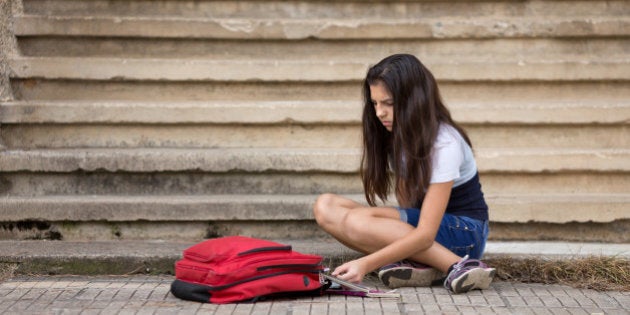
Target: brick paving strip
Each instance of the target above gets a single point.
(150, 295)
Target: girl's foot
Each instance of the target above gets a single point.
(408, 274)
(469, 274)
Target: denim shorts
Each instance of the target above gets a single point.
(461, 235)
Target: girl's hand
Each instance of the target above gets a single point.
(352, 271)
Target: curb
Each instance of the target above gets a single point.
(158, 257)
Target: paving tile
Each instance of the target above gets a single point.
(551, 301)
(150, 295)
(533, 301)
(568, 301)
(388, 307)
(515, 301)
(559, 311)
(318, 307)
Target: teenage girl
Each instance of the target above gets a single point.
(411, 144)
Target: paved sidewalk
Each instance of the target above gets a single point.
(150, 295)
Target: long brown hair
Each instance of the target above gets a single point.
(418, 113)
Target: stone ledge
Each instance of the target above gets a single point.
(556, 249)
(158, 208)
(158, 257)
(317, 9)
(167, 159)
(293, 160)
(550, 208)
(613, 111)
(558, 208)
(346, 29)
(120, 69)
(216, 112)
(552, 160)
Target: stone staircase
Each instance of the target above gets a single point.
(179, 120)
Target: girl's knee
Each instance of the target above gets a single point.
(322, 207)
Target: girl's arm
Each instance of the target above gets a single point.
(419, 239)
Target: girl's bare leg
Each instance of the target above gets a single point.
(368, 229)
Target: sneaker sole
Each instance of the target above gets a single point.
(479, 278)
(408, 277)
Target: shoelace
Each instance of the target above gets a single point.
(456, 268)
(459, 265)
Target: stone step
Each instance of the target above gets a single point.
(169, 159)
(491, 111)
(158, 257)
(187, 208)
(194, 183)
(299, 124)
(338, 28)
(330, 136)
(501, 92)
(67, 68)
(309, 9)
(293, 160)
(591, 48)
(544, 66)
(194, 112)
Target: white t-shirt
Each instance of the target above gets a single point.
(452, 158)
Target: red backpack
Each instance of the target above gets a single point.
(243, 269)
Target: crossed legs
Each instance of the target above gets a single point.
(368, 229)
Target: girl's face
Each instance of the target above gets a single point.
(383, 104)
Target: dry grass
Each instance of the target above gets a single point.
(598, 273)
(7, 270)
